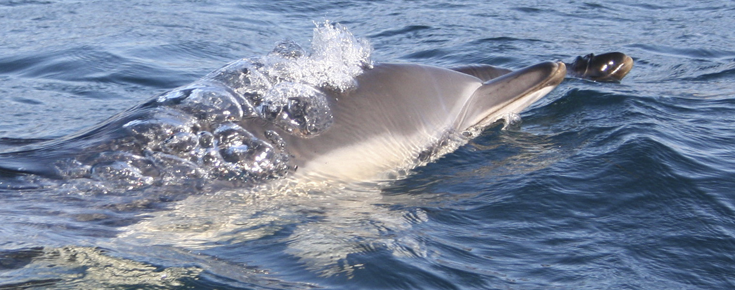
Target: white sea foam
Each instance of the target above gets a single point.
(336, 58)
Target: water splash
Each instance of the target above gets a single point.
(337, 57)
(511, 121)
(197, 133)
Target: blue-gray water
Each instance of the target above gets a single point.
(603, 186)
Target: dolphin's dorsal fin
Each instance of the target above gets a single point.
(483, 72)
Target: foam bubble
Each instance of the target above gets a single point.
(297, 109)
(176, 170)
(230, 134)
(150, 130)
(121, 173)
(212, 105)
(511, 121)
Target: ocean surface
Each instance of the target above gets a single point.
(626, 185)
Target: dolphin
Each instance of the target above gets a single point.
(397, 117)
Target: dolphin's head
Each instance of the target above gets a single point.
(607, 67)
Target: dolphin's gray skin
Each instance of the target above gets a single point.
(398, 116)
(606, 67)
(403, 114)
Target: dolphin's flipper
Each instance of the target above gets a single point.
(482, 71)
